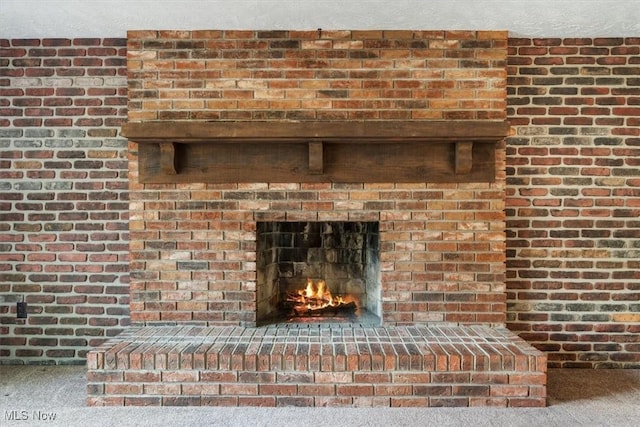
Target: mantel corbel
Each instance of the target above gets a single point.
(168, 158)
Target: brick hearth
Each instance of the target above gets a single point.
(317, 366)
(193, 231)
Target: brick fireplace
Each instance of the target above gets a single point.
(239, 139)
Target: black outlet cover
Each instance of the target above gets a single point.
(22, 310)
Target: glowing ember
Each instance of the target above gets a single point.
(316, 299)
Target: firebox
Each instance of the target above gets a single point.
(325, 272)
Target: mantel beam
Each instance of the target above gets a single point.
(406, 151)
(451, 131)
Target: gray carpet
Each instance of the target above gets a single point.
(576, 398)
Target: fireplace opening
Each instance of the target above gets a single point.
(318, 272)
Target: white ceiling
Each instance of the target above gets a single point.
(523, 18)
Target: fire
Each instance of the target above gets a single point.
(317, 298)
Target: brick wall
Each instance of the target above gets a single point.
(63, 197)
(573, 199)
(316, 75)
(193, 247)
(563, 97)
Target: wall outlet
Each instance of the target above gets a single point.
(21, 309)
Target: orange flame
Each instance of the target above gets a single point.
(317, 296)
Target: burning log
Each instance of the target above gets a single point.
(328, 310)
(316, 300)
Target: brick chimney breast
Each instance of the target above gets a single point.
(401, 128)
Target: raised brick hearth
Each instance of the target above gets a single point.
(317, 366)
(197, 98)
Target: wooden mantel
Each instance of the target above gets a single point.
(345, 151)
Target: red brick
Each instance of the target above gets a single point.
(277, 389)
(105, 401)
(354, 390)
(142, 401)
(409, 402)
(262, 401)
(162, 389)
(180, 376)
(316, 390)
(123, 388)
(221, 400)
(239, 389)
(142, 376)
(393, 390)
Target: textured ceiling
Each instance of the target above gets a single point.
(522, 18)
